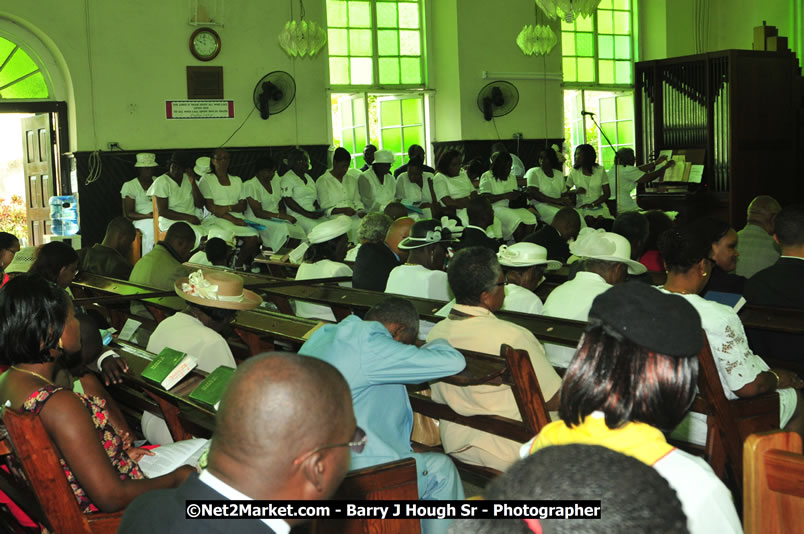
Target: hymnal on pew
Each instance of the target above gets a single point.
(168, 457)
(169, 367)
(209, 391)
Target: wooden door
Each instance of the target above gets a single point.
(37, 163)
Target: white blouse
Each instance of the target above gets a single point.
(456, 187)
(180, 197)
(411, 193)
(593, 184)
(268, 201)
(142, 201)
(550, 186)
(221, 195)
(301, 190)
(490, 184)
(333, 193)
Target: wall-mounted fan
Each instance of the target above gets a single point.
(274, 93)
(497, 99)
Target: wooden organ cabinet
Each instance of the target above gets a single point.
(738, 112)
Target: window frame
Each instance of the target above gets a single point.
(376, 86)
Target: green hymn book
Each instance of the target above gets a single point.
(209, 391)
(169, 367)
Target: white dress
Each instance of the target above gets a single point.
(333, 193)
(419, 281)
(224, 195)
(180, 199)
(509, 217)
(319, 269)
(376, 194)
(519, 299)
(736, 363)
(303, 191)
(594, 189)
(412, 195)
(276, 230)
(549, 186)
(627, 178)
(459, 187)
(143, 204)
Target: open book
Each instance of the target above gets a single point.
(171, 456)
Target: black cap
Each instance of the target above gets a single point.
(641, 313)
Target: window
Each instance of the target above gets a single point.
(614, 111)
(20, 76)
(389, 122)
(599, 50)
(375, 43)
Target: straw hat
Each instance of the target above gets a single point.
(525, 255)
(384, 156)
(146, 159)
(607, 246)
(330, 229)
(216, 289)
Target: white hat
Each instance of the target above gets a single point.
(202, 166)
(607, 246)
(146, 159)
(227, 235)
(525, 255)
(330, 229)
(384, 156)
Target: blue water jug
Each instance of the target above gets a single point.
(64, 215)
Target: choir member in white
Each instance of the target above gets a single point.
(299, 195)
(137, 204)
(591, 183)
(500, 186)
(547, 186)
(377, 184)
(263, 197)
(338, 191)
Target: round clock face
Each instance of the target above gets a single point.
(205, 44)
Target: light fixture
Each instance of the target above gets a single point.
(300, 38)
(569, 10)
(536, 39)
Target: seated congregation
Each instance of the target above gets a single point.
(437, 270)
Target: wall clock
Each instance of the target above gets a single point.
(205, 44)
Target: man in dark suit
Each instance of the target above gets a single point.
(781, 286)
(555, 237)
(283, 432)
(481, 216)
(375, 259)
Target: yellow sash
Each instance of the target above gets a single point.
(643, 442)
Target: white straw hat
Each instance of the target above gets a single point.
(525, 255)
(202, 166)
(330, 229)
(607, 246)
(146, 159)
(384, 156)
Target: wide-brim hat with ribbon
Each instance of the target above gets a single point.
(202, 166)
(425, 232)
(607, 246)
(146, 159)
(384, 156)
(327, 230)
(525, 255)
(216, 289)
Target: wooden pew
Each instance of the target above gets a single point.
(36, 480)
(774, 483)
(512, 368)
(763, 324)
(391, 481)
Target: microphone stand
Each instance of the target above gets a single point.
(616, 169)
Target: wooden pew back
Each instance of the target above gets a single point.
(774, 483)
(35, 470)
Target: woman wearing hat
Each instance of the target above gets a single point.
(377, 185)
(213, 300)
(633, 377)
(524, 265)
(299, 195)
(324, 259)
(263, 195)
(687, 255)
(499, 185)
(423, 275)
(224, 200)
(137, 204)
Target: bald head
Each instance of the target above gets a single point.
(120, 233)
(762, 211)
(400, 229)
(568, 223)
(277, 408)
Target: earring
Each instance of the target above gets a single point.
(704, 274)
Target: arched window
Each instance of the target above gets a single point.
(20, 76)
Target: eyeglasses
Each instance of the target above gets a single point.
(357, 445)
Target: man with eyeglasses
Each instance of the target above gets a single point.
(283, 432)
(377, 356)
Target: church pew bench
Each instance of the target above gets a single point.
(386, 482)
(765, 326)
(773, 470)
(512, 368)
(36, 482)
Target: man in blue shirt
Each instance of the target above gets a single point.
(377, 356)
